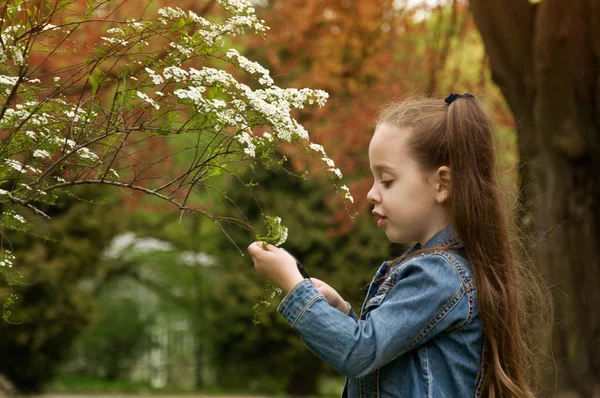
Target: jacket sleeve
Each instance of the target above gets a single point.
(351, 313)
(423, 302)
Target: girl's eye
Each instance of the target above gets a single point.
(387, 183)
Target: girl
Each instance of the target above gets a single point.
(447, 318)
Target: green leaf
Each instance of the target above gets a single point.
(95, 79)
(164, 128)
(178, 25)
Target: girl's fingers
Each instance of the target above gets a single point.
(256, 249)
(316, 282)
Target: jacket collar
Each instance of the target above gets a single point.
(444, 237)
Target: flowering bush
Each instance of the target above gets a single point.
(165, 79)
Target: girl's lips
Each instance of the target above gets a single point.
(381, 222)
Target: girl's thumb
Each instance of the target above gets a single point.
(255, 249)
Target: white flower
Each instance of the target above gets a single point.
(3, 192)
(113, 40)
(337, 172)
(171, 13)
(33, 169)
(15, 165)
(41, 153)
(136, 25)
(347, 194)
(85, 153)
(156, 79)
(49, 27)
(18, 217)
(246, 138)
(187, 51)
(7, 258)
(8, 80)
(317, 148)
(175, 73)
(328, 161)
(77, 114)
(115, 30)
(194, 93)
(148, 100)
(251, 67)
(282, 232)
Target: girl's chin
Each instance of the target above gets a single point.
(397, 238)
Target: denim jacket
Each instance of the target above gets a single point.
(418, 335)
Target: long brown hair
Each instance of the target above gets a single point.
(460, 135)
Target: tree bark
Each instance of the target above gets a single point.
(546, 60)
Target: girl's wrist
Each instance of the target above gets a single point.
(291, 283)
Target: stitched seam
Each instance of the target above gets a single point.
(469, 318)
(429, 377)
(361, 384)
(464, 277)
(480, 374)
(305, 307)
(462, 273)
(377, 276)
(469, 287)
(440, 315)
(466, 285)
(289, 294)
(467, 321)
(376, 300)
(375, 388)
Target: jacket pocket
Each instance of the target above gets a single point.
(380, 295)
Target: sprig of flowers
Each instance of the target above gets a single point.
(276, 233)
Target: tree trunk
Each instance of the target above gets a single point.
(303, 382)
(546, 60)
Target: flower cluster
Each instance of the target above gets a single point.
(7, 259)
(251, 67)
(59, 138)
(276, 233)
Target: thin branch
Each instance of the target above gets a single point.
(28, 205)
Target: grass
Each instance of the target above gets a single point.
(80, 384)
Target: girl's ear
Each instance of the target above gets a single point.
(443, 180)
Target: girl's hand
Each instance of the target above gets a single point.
(333, 298)
(275, 265)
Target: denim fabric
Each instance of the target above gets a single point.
(418, 335)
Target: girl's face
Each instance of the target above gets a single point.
(405, 198)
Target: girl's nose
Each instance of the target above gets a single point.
(373, 196)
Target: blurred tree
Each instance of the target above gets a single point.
(545, 57)
(56, 300)
(118, 338)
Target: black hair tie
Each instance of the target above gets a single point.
(452, 97)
